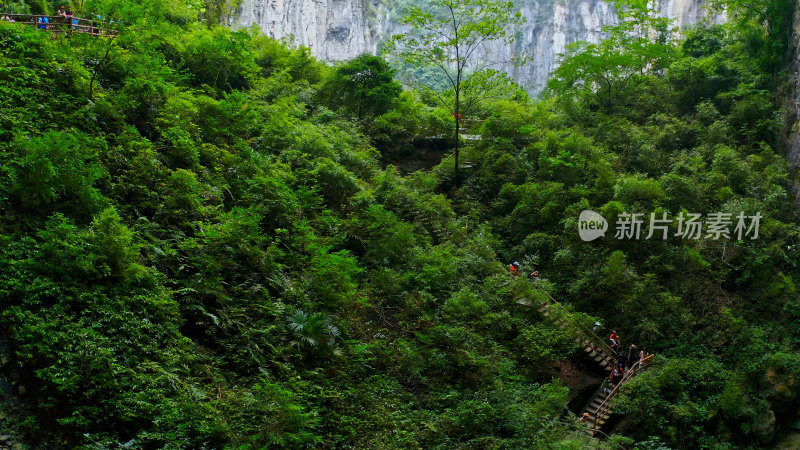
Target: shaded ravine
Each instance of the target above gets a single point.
(9, 402)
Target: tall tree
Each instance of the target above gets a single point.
(639, 44)
(362, 87)
(447, 34)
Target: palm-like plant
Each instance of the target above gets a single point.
(313, 331)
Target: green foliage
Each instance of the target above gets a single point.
(481, 89)
(56, 171)
(219, 58)
(647, 122)
(446, 34)
(312, 331)
(112, 243)
(362, 87)
(766, 24)
(611, 69)
(199, 247)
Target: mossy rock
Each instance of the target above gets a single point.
(780, 388)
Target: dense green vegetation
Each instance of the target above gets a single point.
(201, 247)
(444, 36)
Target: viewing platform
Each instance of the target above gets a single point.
(61, 24)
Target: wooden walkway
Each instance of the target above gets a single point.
(463, 132)
(466, 125)
(61, 24)
(599, 405)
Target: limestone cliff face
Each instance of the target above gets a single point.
(334, 29)
(341, 29)
(792, 99)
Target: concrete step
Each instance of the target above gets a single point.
(600, 421)
(605, 359)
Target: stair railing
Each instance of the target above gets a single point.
(598, 344)
(61, 24)
(630, 373)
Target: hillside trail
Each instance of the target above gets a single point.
(599, 408)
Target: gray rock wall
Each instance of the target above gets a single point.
(792, 104)
(336, 30)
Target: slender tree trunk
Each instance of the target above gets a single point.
(96, 67)
(455, 117)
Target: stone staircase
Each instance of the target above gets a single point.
(599, 405)
(598, 415)
(591, 343)
(604, 357)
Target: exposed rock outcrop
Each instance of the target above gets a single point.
(341, 29)
(792, 102)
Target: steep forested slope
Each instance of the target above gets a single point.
(199, 246)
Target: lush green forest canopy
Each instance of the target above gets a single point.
(201, 244)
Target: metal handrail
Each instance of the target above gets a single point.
(61, 24)
(604, 406)
(598, 341)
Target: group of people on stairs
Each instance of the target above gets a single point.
(623, 362)
(514, 270)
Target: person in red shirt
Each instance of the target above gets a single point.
(514, 269)
(614, 338)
